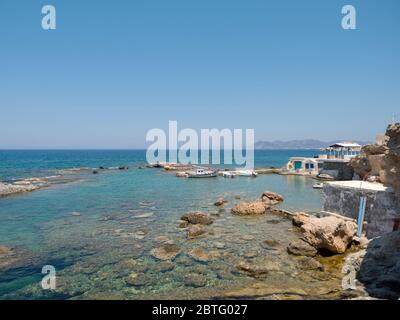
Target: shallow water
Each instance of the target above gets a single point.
(97, 251)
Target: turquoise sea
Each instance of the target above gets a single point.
(124, 214)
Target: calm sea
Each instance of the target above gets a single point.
(41, 222)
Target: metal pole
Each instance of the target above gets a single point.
(361, 214)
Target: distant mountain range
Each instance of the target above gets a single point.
(299, 144)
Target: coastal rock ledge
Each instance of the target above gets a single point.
(250, 208)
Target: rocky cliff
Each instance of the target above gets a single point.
(380, 162)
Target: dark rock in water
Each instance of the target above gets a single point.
(257, 269)
(250, 254)
(95, 172)
(195, 231)
(101, 168)
(183, 224)
(123, 168)
(164, 266)
(140, 167)
(197, 217)
(269, 244)
(274, 221)
(308, 263)
(301, 248)
(166, 252)
(16, 259)
(139, 279)
(195, 280)
(220, 202)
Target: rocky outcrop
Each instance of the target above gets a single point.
(377, 268)
(271, 198)
(250, 208)
(380, 162)
(197, 217)
(9, 189)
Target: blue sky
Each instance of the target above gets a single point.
(114, 69)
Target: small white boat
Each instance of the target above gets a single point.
(202, 173)
(246, 173)
(318, 185)
(228, 174)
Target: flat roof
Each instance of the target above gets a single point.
(345, 145)
(363, 185)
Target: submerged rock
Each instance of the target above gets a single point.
(195, 280)
(249, 208)
(139, 279)
(301, 248)
(197, 217)
(166, 252)
(269, 244)
(195, 231)
(164, 266)
(257, 269)
(220, 202)
(329, 233)
(199, 254)
(308, 263)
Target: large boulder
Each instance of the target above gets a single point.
(197, 217)
(329, 233)
(249, 208)
(271, 198)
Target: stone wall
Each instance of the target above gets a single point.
(382, 213)
(341, 170)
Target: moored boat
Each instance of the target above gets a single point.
(202, 173)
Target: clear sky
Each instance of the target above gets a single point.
(114, 69)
